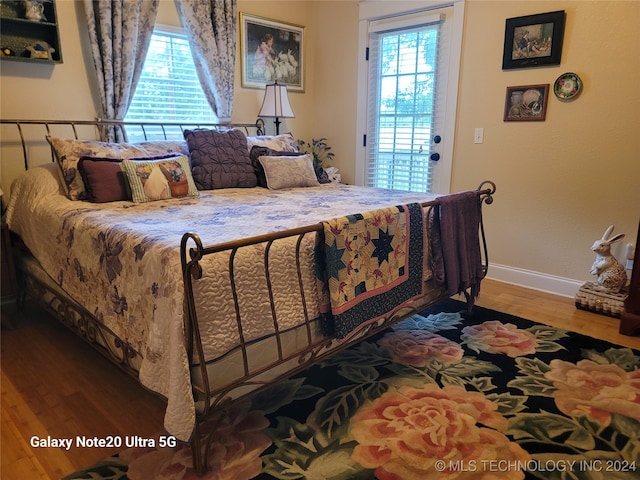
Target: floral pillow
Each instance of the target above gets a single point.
(159, 179)
(289, 172)
(69, 152)
(283, 143)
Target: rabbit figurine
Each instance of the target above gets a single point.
(610, 274)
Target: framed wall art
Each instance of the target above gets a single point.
(533, 40)
(271, 51)
(526, 103)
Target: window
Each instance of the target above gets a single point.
(404, 64)
(407, 112)
(169, 88)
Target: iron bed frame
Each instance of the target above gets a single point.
(192, 251)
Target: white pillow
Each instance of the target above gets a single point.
(289, 172)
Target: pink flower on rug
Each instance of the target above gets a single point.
(234, 454)
(497, 337)
(595, 390)
(417, 347)
(404, 434)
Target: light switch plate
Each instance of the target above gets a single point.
(478, 135)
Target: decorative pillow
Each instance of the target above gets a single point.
(321, 174)
(68, 153)
(220, 159)
(283, 143)
(159, 179)
(104, 180)
(256, 152)
(288, 172)
(164, 147)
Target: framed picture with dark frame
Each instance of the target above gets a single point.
(526, 103)
(271, 51)
(533, 40)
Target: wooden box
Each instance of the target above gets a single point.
(606, 303)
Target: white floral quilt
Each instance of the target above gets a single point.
(121, 260)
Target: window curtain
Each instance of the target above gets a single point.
(119, 32)
(211, 29)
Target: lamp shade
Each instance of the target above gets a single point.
(276, 102)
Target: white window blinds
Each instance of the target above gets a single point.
(169, 88)
(403, 62)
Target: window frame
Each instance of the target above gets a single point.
(202, 101)
(398, 155)
(373, 11)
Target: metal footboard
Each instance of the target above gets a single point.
(311, 350)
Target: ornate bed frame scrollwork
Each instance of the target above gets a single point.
(78, 320)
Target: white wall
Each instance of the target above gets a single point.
(561, 182)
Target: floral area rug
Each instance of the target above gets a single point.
(442, 395)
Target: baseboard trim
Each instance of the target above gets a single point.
(543, 282)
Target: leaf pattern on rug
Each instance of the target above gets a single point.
(445, 395)
(110, 469)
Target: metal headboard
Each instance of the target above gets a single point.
(138, 130)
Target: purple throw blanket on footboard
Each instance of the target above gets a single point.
(454, 225)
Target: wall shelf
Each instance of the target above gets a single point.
(18, 33)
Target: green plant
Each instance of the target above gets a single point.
(319, 149)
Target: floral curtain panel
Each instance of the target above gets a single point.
(119, 32)
(211, 29)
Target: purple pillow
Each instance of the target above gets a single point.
(103, 179)
(220, 159)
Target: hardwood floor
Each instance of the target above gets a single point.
(552, 310)
(55, 385)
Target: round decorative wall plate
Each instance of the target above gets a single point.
(567, 86)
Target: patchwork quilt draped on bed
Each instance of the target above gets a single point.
(370, 265)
